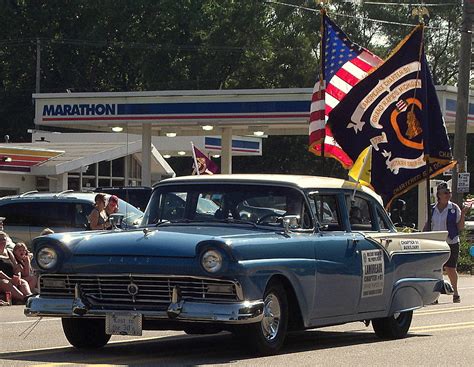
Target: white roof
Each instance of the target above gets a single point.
(77, 155)
(301, 181)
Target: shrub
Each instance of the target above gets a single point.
(466, 261)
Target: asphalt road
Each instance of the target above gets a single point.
(440, 334)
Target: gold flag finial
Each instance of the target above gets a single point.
(420, 12)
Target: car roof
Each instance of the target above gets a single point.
(32, 195)
(300, 181)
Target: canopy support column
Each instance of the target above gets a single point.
(226, 142)
(146, 154)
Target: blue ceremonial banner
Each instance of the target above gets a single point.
(396, 111)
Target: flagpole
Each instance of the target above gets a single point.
(420, 12)
(321, 79)
(428, 192)
(362, 168)
(195, 159)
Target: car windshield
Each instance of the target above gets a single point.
(263, 205)
(132, 216)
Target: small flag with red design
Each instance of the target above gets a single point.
(204, 164)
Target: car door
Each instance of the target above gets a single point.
(338, 265)
(374, 262)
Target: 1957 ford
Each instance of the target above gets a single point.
(257, 255)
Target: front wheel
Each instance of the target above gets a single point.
(85, 333)
(268, 336)
(393, 327)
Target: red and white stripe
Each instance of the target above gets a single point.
(325, 100)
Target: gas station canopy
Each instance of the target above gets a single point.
(191, 113)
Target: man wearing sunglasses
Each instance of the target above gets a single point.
(447, 216)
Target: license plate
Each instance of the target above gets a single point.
(123, 324)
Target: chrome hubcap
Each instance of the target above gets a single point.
(271, 316)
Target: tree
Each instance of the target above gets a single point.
(90, 46)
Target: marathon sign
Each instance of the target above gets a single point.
(169, 107)
(80, 110)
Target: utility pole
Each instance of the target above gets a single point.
(460, 131)
(38, 65)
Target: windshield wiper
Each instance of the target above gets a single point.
(235, 221)
(177, 221)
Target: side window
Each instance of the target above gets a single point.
(206, 207)
(359, 214)
(16, 214)
(325, 208)
(382, 220)
(51, 214)
(81, 214)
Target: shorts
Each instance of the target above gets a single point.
(453, 258)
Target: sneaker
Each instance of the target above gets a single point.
(456, 299)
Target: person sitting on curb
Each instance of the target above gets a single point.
(9, 280)
(23, 264)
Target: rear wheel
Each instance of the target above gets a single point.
(268, 336)
(393, 327)
(85, 333)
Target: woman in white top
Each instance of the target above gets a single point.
(447, 216)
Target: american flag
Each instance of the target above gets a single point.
(344, 65)
(401, 105)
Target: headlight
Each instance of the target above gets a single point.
(211, 261)
(47, 258)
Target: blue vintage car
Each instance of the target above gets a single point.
(257, 255)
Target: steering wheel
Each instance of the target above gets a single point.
(269, 215)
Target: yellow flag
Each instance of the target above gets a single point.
(361, 170)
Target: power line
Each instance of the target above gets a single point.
(364, 18)
(403, 4)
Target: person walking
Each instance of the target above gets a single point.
(447, 216)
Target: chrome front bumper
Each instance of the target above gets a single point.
(245, 312)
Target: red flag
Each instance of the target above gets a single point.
(205, 165)
(344, 64)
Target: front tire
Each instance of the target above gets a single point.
(268, 336)
(85, 333)
(393, 327)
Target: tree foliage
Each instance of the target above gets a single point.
(120, 45)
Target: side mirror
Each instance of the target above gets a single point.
(291, 222)
(471, 250)
(116, 220)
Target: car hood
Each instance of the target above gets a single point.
(171, 241)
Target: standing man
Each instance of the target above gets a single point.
(447, 216)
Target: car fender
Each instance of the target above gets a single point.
(299, 273)
(408, 294)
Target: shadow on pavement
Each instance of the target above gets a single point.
(190, 350)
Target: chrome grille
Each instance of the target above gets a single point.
(103, 291)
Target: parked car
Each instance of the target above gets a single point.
(138, 196)
(274, 253)
(29, 213)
